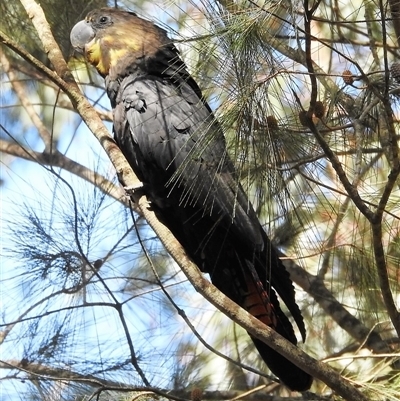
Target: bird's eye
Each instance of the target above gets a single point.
(103, 19)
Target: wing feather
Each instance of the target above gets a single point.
(182, 141)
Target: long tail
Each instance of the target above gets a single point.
(246, 289)
(245, 277)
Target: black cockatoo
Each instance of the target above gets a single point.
(174, 144)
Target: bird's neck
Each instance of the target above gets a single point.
(164, 64)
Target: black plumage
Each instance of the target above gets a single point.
(176, 147)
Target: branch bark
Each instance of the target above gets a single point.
(240, 316)
(315, 286)
(251, 324)
(20, 91)
(57, 159)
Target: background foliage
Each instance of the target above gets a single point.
(93, 307)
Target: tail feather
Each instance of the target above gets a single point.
(279, 278)
(242, 275)
(246, 289)
(291, 375)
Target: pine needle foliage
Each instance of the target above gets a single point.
(307, 94)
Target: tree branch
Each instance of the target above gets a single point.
(251, 324)
(223, 303)
(21, 93)
(315, 286)
(57, 159)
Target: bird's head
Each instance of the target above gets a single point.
(111, 39)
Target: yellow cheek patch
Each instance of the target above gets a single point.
(93, 52)
(108, 51)
(124, 37)
(97, 57)
(116, 55)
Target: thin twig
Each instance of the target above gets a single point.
(183, 315)
(20, 91)
(57, 159)
(251, 324)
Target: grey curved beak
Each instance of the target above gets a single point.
(81, 34)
